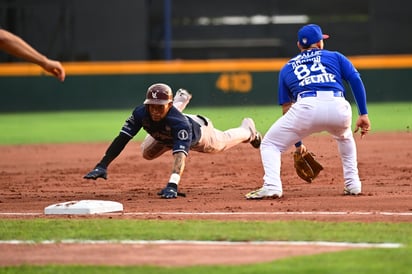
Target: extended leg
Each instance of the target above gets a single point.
(348, 154)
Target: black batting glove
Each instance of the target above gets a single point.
(169, 192)
(97, 172)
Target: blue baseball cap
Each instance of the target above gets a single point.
(310, 34)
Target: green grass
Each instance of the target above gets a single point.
(353, 261)
(102, 229)
(103, 126)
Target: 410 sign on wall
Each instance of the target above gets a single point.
(235, 82)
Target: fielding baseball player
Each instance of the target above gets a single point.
(311, 92)
(170, 129)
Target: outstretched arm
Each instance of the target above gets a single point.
(179, 163)
(170, 191)
(16, 46)
(359, 93)
(115, 148)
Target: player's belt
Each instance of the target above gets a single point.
(315, 93)
(203, 119)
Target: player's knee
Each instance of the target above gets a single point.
(148, 155)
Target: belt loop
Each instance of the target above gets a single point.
(338, 94)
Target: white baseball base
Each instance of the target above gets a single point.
(84, 207)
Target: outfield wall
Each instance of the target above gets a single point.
(115, 85)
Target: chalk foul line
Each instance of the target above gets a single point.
(328, 213)
(221, 243)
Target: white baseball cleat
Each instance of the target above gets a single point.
(352, 191)
(183, 93)
(264, 193)
(255, 138)
(181, 99)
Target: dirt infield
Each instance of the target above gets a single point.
(35, 176)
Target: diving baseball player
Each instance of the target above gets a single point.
(171, 130)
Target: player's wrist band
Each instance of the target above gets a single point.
(298, 144)
(174, 178)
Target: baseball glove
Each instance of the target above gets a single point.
(97, 172)
(307, 167)
(170, 191)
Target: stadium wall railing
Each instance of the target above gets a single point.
(118, 85)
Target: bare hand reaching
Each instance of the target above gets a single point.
(363, 124)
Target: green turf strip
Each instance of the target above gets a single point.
(103, 126)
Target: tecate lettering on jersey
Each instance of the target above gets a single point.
(320, 78)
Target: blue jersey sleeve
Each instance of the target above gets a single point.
(133, 124)
(352, 76)
(358, 90)
(181, 130)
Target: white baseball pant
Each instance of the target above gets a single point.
(308, 115)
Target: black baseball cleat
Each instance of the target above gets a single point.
(255, 138)
(256, 142)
